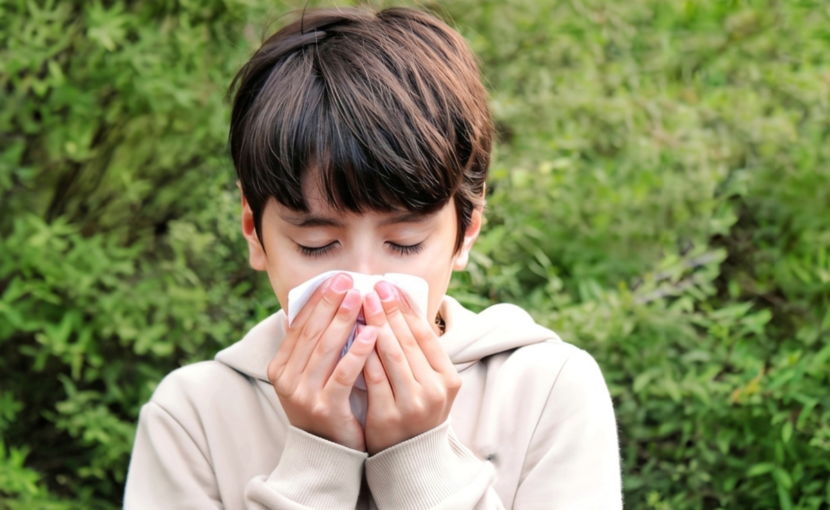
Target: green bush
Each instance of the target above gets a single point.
(660, 195)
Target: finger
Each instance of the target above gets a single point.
(379, 391)
(299, 321)
(393, 305)
(327, 351)
(345, 373)
(313, 328)
(391, 354)
(424, 335)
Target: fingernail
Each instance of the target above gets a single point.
(385, 291)
(352, 300)
(326, 285)
(371, 303)
(341, 283)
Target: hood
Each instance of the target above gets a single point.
(469, 337)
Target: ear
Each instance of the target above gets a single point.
(470, 236)
(256, 253)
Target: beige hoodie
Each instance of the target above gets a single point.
(532, 428)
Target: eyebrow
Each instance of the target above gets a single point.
(310, 221)
(407, 217)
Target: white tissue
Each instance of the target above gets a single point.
(415, 288)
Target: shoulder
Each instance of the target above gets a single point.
(568, 379)
(194, 386)
(572, 371)
(547, 360)
(579, 373)
(549, 355)
(553, 374)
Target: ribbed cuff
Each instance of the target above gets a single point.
(421, 472)
(317, 473)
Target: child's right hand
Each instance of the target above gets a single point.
(312, 385)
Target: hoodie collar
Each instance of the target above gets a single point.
(469, 337)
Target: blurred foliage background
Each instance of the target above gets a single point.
(660, 196)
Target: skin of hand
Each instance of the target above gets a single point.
(410, 380)
(312, 385)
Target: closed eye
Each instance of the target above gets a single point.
(407, 250)
(320, 251)
(316, 252)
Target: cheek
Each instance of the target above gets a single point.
(286, 269)
(435, 264)
(281, 288)
(285, 265)
(437, 270)
(437, 291)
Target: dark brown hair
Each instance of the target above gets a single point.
(387, 107)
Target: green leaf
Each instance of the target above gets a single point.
(760, 469)
(787, 431)
(782, 478)
(784, 498)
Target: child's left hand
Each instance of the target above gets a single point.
(412, 384)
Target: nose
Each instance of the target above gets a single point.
(365, 252)
(362, 261)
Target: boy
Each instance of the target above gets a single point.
(361, 142)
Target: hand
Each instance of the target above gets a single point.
(312, 385)
(410, 380)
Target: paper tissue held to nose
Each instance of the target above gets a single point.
(415, 288)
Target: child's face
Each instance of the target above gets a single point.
(299, 246)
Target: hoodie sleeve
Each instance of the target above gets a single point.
(432, 470)
(169, 469)
(312, 474)
(572, 462)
